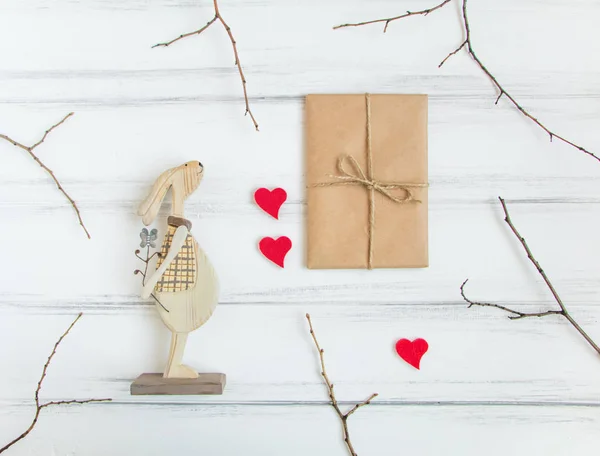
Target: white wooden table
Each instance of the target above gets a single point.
(487, 386)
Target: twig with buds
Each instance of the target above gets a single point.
(32, 154)
(334, 403)
(515, 314)
(39, 405)
(219, 17)
(467, 44)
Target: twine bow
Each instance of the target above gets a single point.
(359, 177)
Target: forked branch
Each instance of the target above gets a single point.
(39, 406)
(334, 403)
(219, 17)
(516, 315)
(468, 45)
(32, 154)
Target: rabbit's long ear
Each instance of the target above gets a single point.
(149, 208)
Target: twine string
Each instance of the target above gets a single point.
(371, 187)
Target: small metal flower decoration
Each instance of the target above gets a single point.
(148, 238)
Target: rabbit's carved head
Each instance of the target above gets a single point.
(192, 172)
(183, 180)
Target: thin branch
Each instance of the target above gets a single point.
(334, 403)
(237, 62)
(219, 17)
(47, 132)
(39, 406)
(185, 35)
(468, 45)
(515, 315)
(30, 149)
(454, 52)
(74, 401)
(537, 265)
(361, 404)
(387, 21)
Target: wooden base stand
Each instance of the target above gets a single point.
(155, 384)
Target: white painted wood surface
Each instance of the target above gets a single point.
(488, 385)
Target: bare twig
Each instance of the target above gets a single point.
(219, 17)
(39, 406)
(387, 21)
(30, 149)
(468, 45)
(516, 315)
(334, 403)
(185, 35)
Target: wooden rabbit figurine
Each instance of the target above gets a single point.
(184, 283)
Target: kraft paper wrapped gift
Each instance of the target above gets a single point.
(366, 171)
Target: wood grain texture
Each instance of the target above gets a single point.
(142, 110)
(297, 429)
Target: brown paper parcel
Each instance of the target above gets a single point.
(361, 214)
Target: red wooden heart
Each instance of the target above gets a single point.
(275, 249)
(412, 352)
(270, 200)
